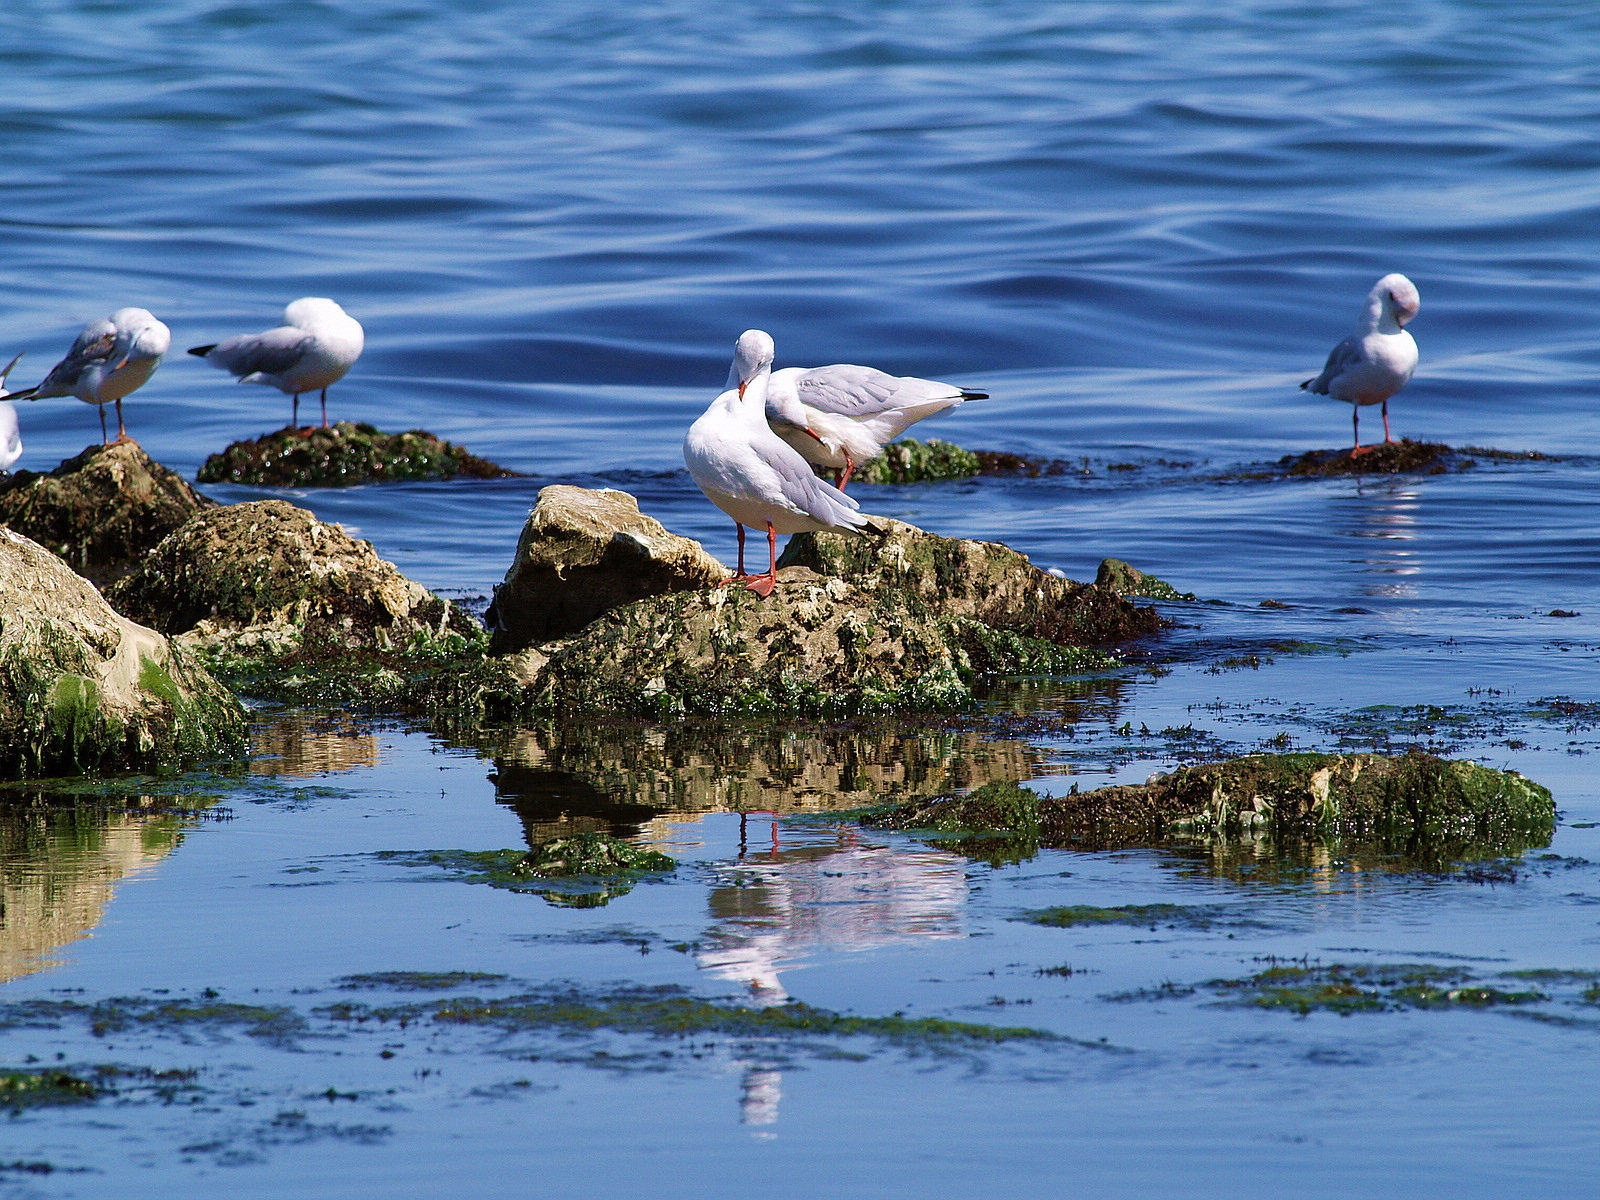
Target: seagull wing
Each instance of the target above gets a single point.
(1345, 355)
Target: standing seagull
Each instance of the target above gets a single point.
(1377, 360)
(10, 434)
(840, 416)
(751, 474)
(111, 358)
(318, 343)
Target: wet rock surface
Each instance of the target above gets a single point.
(986, 581)
(1391, 458)
(911, 461)
(1127, 580)
(1414, 803)
(343, 455)
(271, 576)
(582, 553)
(100, 511)
(83, 689)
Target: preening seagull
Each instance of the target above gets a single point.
(111, 358)
(1377, 359)
(752, 474)
(312, 350)
(10, 434)
(840, 416)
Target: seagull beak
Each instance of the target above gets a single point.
(814, 435)
(742, 386)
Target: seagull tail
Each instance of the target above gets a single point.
(966, 395)
(202, 351)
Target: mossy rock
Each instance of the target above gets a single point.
(911, 461)
(1415, 803)
(1404, 457)
(343, 455)
(987, 581)
(84, 689)
(1125, 580)
(100, 511)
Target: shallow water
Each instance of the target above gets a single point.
(1138, 226)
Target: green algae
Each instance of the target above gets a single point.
(418, 981)
(1173, 916)
(1127, 580)
(20, 1089)
(911, 461)
(344, 455)
(1382, 987)
(180, 1016)
(585, 870)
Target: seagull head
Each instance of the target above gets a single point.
(1397, 299)
(309, 311)
(752, 355)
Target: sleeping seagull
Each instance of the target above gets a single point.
(752, 474)
(10, 434)
(1377, 360)
(840, 416)
(111, 358)
(313, 349)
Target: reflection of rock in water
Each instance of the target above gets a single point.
(58, 870)
(302, 746)
(774, 907)
(616, 775)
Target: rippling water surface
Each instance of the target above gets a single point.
(1138, 225)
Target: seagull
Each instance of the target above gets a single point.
(840, 416)
(111, 358)
(1377, 359)
(10, 435)
(312, 350)
(752, 474)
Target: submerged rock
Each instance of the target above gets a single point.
(986, 581)
(85, 689)
(345, 454)
(911, 461)
(1381, 458)
(583, 553)
(101, 511)
(1416, 803)
(270, 578)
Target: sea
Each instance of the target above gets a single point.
(1138, 225)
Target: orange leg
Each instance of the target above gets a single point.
(1386, 438)
(762, 585)
(849, 470)
(1355, 424)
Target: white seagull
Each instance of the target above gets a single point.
(111, 358)
(752, 474)
(10, 434)
(840, 416)
(1377, 360)
(312, 350)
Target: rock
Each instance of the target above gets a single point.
(582, 553)
(1117, 576)
(343, 455)
(1416, 803)
(986, 581)
(84, 689)
(911, 461)
(101, 511)
(818, 645)
(267, 578)
(1391, 458)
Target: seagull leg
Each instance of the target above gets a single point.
(122, 430)
(739, 574)
(325, 409)
(1355, 424)
(849, 470)
(105, 438)
(762, 585)
(294, 419)
(1386, 437)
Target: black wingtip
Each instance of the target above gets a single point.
(202, 351)
(1306, 386)
(966, 395)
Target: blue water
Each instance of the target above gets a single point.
(1138, 225)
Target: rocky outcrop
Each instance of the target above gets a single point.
(343, 455)
(101, 511)
(986, 581)
(585, 552)
(1125, 580)
(911, 461)
(269, 577)
(84, 689)
(1417, 803)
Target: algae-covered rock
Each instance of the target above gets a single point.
(345, 454)
(911, 461)
(1125, 580)
(986, 581)
(269, 578)
(85, 689)
(584, 552)
(816, 645)
(1416, 803)
(1381, 458)
(102, 510)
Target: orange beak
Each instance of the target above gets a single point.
(742, 386)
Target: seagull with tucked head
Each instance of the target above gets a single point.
(1377, 359)
(314, 347)
(110, 358)
(10, 433)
